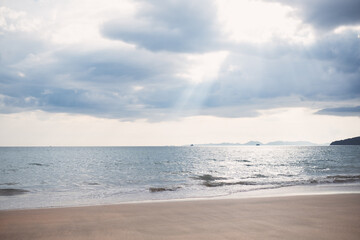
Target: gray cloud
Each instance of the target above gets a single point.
(326, 15)
(178, 26)
(124, 84)
(341, 111)
(328, 70)
(342, 50)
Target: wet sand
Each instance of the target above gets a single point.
(296, 217)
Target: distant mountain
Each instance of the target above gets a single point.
(296, 143)
(349, 141)
(254, 143)
(251, 143)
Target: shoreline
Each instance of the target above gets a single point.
(332, 216)
(288, 191)
(297, 190)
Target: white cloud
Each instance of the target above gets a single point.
(203, 67)
(66, 22)
(342, 29)
(138, 88)
(20, 74)
(259, 22)
(14, 21)
(78, 22)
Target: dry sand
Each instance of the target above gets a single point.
(298, 217)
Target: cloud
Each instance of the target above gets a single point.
(326, 15)
(342, 50)
(13, 21)
(177, 26)
(115, 84)
(327, 70)
(132, 84)
(340, 111)
(177, 70)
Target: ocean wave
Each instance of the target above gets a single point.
(12, 191)
(343, 178)
(92, 183)
(208, 177)
(213, 181)
(214, 159)
(210, 181)
(322, 180)
(245, 161)
(220, 184)
(39, 164)
(12, 170)
(286, 175)
(9, 183)
(162, 189)
(259, 176)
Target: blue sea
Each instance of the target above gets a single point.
(35, 177)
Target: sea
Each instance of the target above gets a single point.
(41, 177)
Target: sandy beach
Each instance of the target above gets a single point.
(296, 217)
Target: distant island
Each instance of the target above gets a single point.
(349, 141)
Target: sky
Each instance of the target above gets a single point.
(178, 72)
